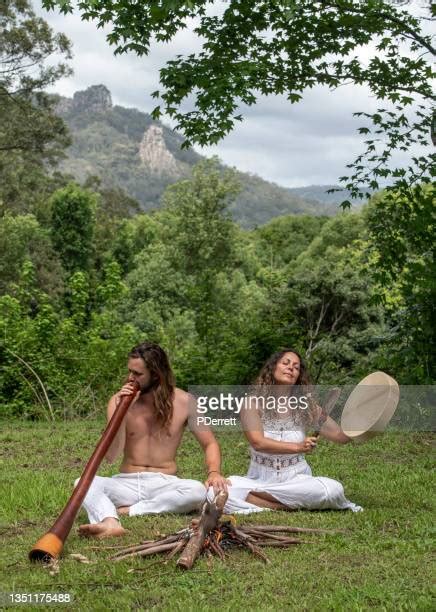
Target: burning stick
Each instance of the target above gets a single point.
(216, 548)
(208, 520)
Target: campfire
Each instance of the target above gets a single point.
(214, 536)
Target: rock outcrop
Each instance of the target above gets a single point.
(155, 155)
(96, 98)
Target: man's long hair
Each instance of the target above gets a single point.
(266, 381)
(162, 379)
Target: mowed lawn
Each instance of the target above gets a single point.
(383, 561)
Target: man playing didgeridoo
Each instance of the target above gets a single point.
(149, 437)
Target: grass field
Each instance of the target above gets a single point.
(382, 562)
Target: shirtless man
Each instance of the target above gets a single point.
(149, 437)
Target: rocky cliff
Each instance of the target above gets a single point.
(155, 155)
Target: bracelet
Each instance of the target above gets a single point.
(212, 471)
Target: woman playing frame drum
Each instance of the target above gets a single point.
(279, 476)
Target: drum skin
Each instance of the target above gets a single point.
(370, 407)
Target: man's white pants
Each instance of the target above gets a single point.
(143, 492)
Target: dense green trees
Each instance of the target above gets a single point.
(72, 226)
(32, 137)
(402, 243)
(220, 299)
(283, 239)
(319, 297)
(23, 239)
(187, 273)
(329, 300)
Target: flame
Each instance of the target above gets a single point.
(220, 534)
(229, 517)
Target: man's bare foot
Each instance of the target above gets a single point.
(108, 528)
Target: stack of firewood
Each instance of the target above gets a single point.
(212, 536)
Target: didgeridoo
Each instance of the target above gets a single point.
(50, 545)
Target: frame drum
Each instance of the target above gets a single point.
(370, 407)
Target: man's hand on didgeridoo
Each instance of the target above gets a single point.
(127, 389)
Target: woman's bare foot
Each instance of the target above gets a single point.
(108, 528)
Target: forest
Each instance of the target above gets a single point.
(85, 275)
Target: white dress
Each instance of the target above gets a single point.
(288, 477)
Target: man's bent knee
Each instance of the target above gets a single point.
(196, 492)
(97, 480)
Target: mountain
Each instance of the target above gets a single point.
(318, 193)
(126, 148)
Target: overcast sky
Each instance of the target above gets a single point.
(292, 145)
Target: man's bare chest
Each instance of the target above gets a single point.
(141, 425)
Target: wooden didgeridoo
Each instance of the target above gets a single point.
(50, 545)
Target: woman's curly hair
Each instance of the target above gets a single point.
(266, 375)
(156, 361)
(266, 381)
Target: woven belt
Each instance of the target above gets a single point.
(276, 463)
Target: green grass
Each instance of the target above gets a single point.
(383, 562)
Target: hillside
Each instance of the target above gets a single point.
(318, 193)
(127, 148)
